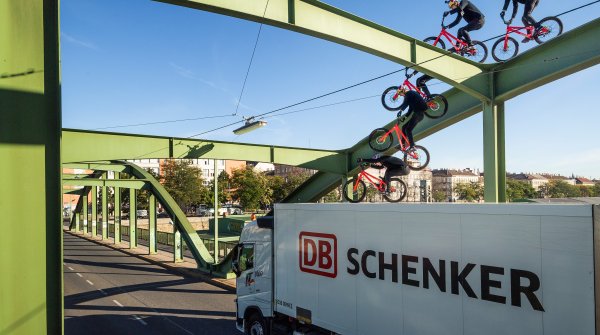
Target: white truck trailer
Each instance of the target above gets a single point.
(419, 269)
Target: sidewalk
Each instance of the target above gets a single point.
(186, 268)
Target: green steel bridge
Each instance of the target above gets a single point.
(34, 148)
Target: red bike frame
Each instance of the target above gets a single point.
(377, 182)
(409, 86)
(517, 29)
(402, 140)
(451, 39)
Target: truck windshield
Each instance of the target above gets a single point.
(247, 257)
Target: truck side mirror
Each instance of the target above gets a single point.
(235, 267)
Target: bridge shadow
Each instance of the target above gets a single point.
(116, 324)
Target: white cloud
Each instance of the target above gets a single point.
(73, 40)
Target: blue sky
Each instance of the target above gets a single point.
(139, 61)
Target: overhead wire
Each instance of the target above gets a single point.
(444, 53)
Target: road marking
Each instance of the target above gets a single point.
(101, 290)
(89, 282)
(140, 320)
(79, 274)
(70, 268)
(118, 303)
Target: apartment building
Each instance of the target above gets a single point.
(445, 180)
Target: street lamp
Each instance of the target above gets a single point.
(249, 126)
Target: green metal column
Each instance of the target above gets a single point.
(84, 210)
(30, 192)
(152, 224)
(77, 215)
(132, 218)
(104, 210)
(117, 215)
(216, 229)
(494, 152)
(94, 211)
(177, 245)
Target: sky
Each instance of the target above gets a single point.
(127, 63)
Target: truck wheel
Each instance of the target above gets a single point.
(256, 325)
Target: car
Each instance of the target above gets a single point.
(142, 213)
(163, 214)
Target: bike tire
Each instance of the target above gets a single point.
(350, 194)
(379, 141)
(501, 55)
(398, 190)
(431, 40)
(554, 26)
(438, 106)
(480, 54)
(387, 99)
(418, 160)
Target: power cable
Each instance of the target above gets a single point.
(251, 59)
(161, 122)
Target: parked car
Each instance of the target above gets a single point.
(142, 213)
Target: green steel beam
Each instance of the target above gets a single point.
(314, 188)
(104, 209)
(31, 284)
(177, 245)
(315, 18)
(84, 213)
(117, 215)
(132, 218)
(103, 166)
(152, 224)
(76, 144)
(94, 200)
(573, 51)
(125, 183)
(493, 153)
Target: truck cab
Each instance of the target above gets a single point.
(252, 264)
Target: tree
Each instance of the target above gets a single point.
(333, 196)
(596, 190)
(224, 191)
(516, 189)
(559, 189)
(282, 187)
(470, 192)
(183, 182)
(251, 188)
(439, 196)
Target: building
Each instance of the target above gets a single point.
(584, 182)
(445, 180)
(557, 177)
(419, 185)
(285, 170)
(535, 180)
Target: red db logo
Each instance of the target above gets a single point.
(318, 254)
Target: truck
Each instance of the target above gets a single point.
(419, 269)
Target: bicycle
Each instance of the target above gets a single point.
(437, 103)
(381, 140)
(478, 52)
(507, 47)
(355, 190)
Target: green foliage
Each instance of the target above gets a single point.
(439, 196)
(251, 188)
(281, 187)
(184, 182)
(596, 190)
(516, 189)
(560, 189)
(333, 196)
(224, 191)
(470, 192)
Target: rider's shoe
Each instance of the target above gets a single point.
(526, 40)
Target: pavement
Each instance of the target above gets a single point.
(109, 290)
(163, 259)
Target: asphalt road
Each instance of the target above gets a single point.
(109, 292)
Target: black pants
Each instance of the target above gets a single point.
(527, 18)
(408, 127)
(421, 84)
(393, 171)
(463, 33)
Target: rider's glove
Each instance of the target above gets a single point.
(502, 13)
(510, 21)
(446, 13)
(399, 114)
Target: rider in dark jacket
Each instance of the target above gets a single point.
(417, 106)
(527, 19)
(465, 9)
(394, 166)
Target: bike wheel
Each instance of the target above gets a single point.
(380, 140)
(388, 101)
(501, 54)
(431, 40)
(417, 159)
(354, 195)
(438, 106)
(397, 189)
(478, 53)
(550, 28)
